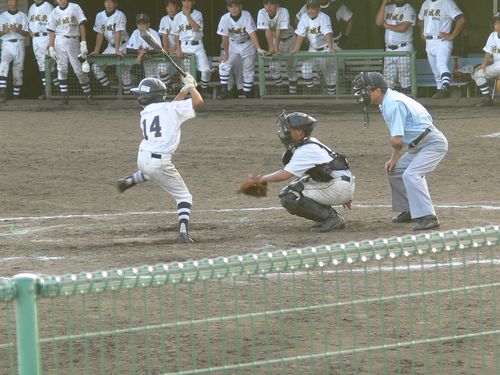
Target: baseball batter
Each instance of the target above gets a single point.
(436, 19)
(167, 37)
(14, 29)
(338, 13)
(38, 18)
(188, 32)
(137, 45)
(322, 178)
(409, 124)
(111, 26)
(397, 18)
(67, 41)
(316, 27)
(484, 71)
(280, 37)
(160, 125)
(239, 40)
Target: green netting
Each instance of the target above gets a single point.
(424, 304)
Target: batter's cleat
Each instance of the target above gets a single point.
(486, 102)
(426, 222)
(90, 100)
(403, 217)
(64, 100)
(184, 238)
(124, 184)
(333, 222)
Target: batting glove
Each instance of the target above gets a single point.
(189, 80)
(83, 48)
(52, 53)
(187, 87)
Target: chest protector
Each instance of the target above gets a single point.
(320, 172)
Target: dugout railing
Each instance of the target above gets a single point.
(416, 304)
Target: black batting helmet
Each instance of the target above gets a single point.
(295, 120)
(150, 90)
(496, 17)
(364, 82)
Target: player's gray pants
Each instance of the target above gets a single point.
(327, 66)
(67, 50)
(100, 72)
(333, 193)
(164, 173)
(13, 52)
(408, 184)
(397, 68)
(291, 64)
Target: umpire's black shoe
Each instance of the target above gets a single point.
(426, 222)
(403, 217)
(184, 238)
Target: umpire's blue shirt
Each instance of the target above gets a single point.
(404, 116)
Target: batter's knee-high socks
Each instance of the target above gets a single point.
(183, 211)
(485, 89)
(203, 84)
(292, 87)
(309, 82)
(86, 88)
(3, 83)
(104, 81)
(126, 89)
(17, 91)
(446, 79)
(63, 87)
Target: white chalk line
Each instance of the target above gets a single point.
(220, 210)
(40, 258)
(492, 135)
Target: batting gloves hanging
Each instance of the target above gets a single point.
(52, 53)
(83, 48)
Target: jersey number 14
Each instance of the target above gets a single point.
(155, 128)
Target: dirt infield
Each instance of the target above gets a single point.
(61, 211)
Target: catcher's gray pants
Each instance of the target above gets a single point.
(164, 173)
(408, 184)
(333, 193)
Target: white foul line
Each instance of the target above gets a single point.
(220, 210)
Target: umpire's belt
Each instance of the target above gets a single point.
(155, 156)
(191, 42)
(433, 37)
(396, 46)
(40, 34)
(417, 140)
(324, 48)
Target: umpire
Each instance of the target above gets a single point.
(409, 124)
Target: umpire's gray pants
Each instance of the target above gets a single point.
(407, 180)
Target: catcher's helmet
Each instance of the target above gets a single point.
(496, 17)
(364, 82)
(150, 90)
(295, 120)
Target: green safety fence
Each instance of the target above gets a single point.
(340, 67)
(416, 304)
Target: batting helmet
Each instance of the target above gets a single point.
(295, 120)
(150, 90)
(364, 82)
(496, 17)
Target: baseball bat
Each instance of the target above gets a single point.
(153, 43)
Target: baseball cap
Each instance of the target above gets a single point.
(142, 17)
(234, 2)
(313, 3)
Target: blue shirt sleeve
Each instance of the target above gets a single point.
(395, 118)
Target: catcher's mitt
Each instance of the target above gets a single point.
(253, 187)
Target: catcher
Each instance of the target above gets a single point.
(322, 177)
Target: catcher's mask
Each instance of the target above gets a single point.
(295, 120)
(362, 84)
(150, 90)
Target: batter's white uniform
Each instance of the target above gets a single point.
(240, 47)
(161, 128)
(491, 71)
(12, 49)
(38, 18)
(192, 43)
(315, 31)
(438, 16)
(65, 23)
(152, 69)
(108, 25)
(342, 14)
(281, 21)
(333, 193)
(398, 68)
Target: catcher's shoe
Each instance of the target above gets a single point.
(90, 100)
(184, 238)
(486, 102)
(64, 99)
(123, 184)
(427, 222)
(334, 222)
(403, 217)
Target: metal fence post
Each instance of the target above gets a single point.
(262, 76)
(414, 88)
(28, 348)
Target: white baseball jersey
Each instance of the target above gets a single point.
(315, 29)
(281, 21)
(438, 16)
(183, 29)
(66, 21)
(161, 125)
(110, 24)
(38, 17)
(17, 18)
(395, 14)
(493, 46)
(166, 24)
(238, 31)
(343, 12)
(136, 42)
